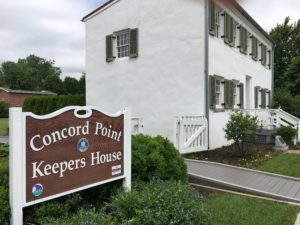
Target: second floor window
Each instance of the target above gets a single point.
(254, 45)
(263, 54)
(229, 29)
(123, 38)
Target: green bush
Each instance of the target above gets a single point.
(287, 133)
(159, 202)
(4, 201)
(4, 150)
(241, 128)
(90, 217)
(4, 206)
(47, 104)
(4, 108)
(156, 157)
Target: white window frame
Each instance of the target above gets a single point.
(218, 15)
(219, 93)
(236, 95)
(259, 98)
(117, 45)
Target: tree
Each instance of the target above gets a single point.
(292, 74)
(241, 128)
(82, 84)
(287, 39)
(29, 73)
(71, 85)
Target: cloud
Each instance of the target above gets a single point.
(270, 13)
(50, 29)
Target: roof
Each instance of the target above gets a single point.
(27, 92)
(234, 3)
(97, 10)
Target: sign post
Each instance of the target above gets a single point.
(64, 152)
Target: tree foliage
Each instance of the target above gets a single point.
(241, 128)
(36, 74)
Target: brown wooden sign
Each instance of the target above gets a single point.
(68, 152)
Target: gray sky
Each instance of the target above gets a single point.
(52, 28)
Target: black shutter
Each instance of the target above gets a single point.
(109, 48)
(212, 84)
(256, 90)
(134, 43)
(227, 94)
(241, 95)
(263, 98)
(212, 18)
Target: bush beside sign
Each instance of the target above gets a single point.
(65, 152)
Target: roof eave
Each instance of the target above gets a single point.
(85, 18)
(252, 21)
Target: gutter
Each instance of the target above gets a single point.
(206, 69)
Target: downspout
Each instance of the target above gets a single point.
(206, 68)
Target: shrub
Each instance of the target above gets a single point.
(156, 157)
(4, 201)
(90, 217)
(287, 133)
(4, 206)
(241, 128)
(42, 105)
(159, 202)
(4, 108)
(4, 150)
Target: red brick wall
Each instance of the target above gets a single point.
(13, 99)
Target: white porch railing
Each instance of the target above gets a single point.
(274, 118)
(191, 134)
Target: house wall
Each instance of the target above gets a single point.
(167, 79)
(13, 99)
(230, 63)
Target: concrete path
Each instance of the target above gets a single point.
(244, 180)
(4, 139)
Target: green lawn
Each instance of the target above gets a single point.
(238, 210)
(285, 164)
(3, 126)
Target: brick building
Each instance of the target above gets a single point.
(16, 98)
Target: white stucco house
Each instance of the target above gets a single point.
(181, 66)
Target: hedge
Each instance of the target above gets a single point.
(42, 105)
(4, 110)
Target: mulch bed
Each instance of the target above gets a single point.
(253, 156)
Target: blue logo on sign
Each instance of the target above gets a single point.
(83, 145)
(37, 190)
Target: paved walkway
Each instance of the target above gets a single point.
(244, 180)
(293, 151)
(4, 139)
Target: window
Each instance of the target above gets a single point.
(123, 38)
(236, 95)
(263, 54)
(225, 94)
(122, 44)
(262, 98)
(243, 40)
(254, 46)
(214, 19)
(218, 92)
(229, 30)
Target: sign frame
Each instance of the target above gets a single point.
(17, 156)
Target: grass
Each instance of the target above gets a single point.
(284, 164)
(235, 210)
(3, 126)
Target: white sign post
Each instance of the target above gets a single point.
(21, 127)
